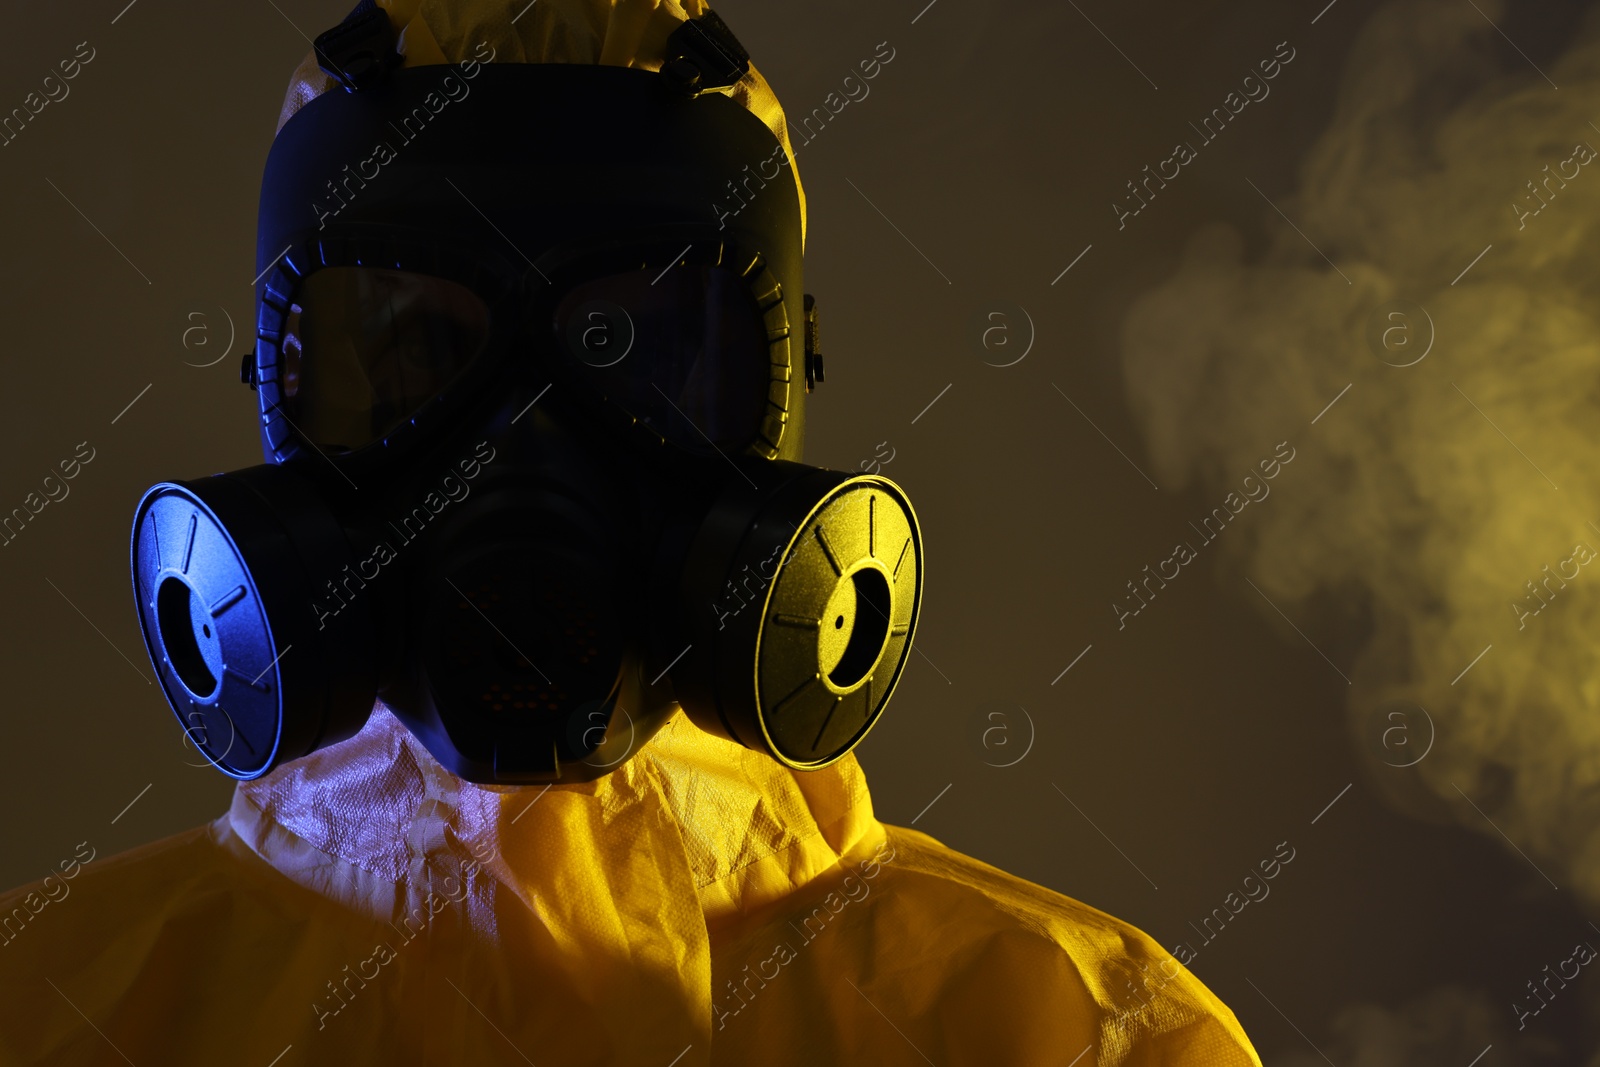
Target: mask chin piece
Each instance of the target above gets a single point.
(600, 736)
(819, 579)
(614, 733)
(530, 673)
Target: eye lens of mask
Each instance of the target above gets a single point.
(685, 352)
(366, 347)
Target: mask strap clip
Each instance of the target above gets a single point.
(360, 51)
(703, 56)
(813, 345)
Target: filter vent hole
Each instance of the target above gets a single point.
(870, 628)
(177, 614)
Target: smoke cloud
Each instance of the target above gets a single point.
(1439, 508)
(1447, 1027)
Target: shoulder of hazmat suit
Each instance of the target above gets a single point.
(700, 905)
(363, 905)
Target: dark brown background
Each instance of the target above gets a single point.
(1196, 741)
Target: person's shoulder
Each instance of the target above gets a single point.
(1041, 951)
(105, 934)
(95, 902)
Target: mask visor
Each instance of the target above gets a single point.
(365, 347)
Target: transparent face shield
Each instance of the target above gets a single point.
(366, 347)
(683, 350)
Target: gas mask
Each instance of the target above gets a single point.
(531, 361)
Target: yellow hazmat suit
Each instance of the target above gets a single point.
(702, 904)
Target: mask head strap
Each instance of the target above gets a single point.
(703, 56)
(360, 51)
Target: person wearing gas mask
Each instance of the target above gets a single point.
(536, 650)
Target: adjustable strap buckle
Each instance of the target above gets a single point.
(703, 56)
(813, 345)
(360, 51)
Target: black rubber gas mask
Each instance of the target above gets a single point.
(532, 356)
